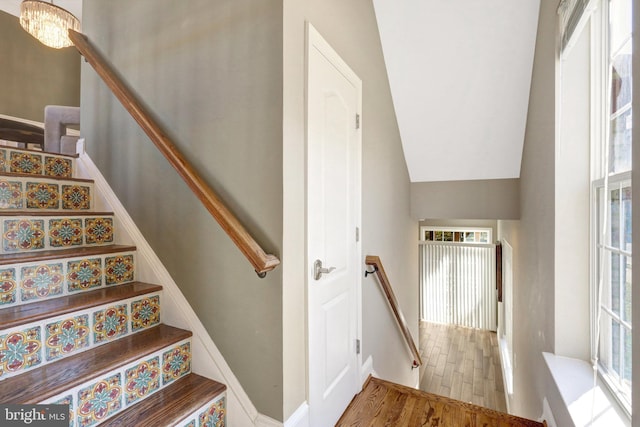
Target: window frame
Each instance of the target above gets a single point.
(601, 117)
(444, 229)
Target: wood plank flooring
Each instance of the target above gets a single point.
(382, 403)
(463, 364)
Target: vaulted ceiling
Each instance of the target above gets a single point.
(460, 74)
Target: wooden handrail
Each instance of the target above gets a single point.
(375, 262)
(261, 261)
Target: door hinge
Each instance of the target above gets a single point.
(357, 346)
(357, 121)
(357, 234)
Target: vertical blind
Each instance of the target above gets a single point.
(458, 284)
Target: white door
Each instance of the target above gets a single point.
(333, 214)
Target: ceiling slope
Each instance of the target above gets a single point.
(460, 74)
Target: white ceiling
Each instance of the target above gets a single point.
(73, 6)
(460, 73)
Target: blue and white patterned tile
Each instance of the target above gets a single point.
(84, 274)
(8, 286)
(22, 234)
(4, 163)
(98, 401)
(110, 323)
(214, 415)
(66, 336)
(67, 400)
(11, 194)
(25, 162)
(58, 167)
(20, 350)
(145, 313)
(76, 197)
(41, 281)
(119, 269)
(42, 195)
(176, 363)
(141, 380)
(65, 232)
(98, 230)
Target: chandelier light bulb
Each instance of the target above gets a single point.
(48, 23)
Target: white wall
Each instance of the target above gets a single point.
(532, 237)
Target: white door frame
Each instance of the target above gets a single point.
(315, 40)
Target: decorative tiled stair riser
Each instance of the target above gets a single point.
(96, 400)
(37, 193)
(41, 233)
(29, 282)
(76, 327)
(38, 343)
(35, 163)
(214, 414)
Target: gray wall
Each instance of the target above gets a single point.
(532, 238)
(387, 227)
(34, 75)
(211, 72)
(481, 199)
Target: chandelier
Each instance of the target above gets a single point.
(48, 23)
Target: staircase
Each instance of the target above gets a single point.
(76, 328)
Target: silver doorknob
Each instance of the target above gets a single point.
(318, 270)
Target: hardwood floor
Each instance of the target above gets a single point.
(463, 364)
(382, 403)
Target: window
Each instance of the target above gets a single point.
(611, 204)
(456, 234)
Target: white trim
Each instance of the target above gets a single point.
(506, 371)
(176, 311)
(300, 418)
(265, 421)
(367, 369)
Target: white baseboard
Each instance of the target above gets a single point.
(300, 418)
(265, 421)
(176, 310)
(367, 369)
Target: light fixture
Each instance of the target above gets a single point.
(48, 23)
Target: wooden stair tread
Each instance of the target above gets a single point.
(35, 311)
(41, 383)
(385, 403)
(82, 251)
(169, 405)
(63, 213)
(38, 176)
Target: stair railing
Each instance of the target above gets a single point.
(261, 261)
(378, 269)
